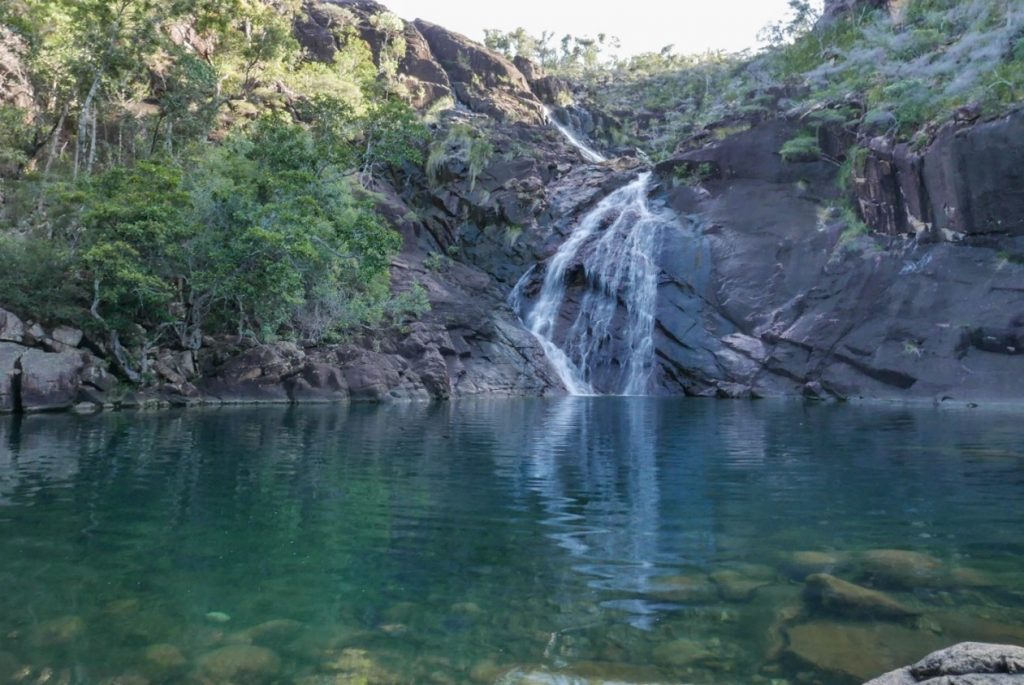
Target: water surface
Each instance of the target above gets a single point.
(551, 541)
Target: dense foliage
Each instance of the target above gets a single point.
(177, 168)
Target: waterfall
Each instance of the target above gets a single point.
(589, 153)
(609, 346)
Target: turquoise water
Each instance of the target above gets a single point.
(560, 541)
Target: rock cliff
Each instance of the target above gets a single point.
(764, 288)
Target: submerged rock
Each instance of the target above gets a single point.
(802, 564)
(684, 652)
(736, 587)
(902, 568)
(839, 596)
(968, 663)
(58, 631)
(857, 651)
(271, 632)
(240, 663)
(163, 661)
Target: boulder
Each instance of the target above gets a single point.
(163, 661)
(50, 380)
(12, 329)
(736, 587)
(10, 373)
(67, 336)
(839, 596)
(318, 383)
(902, 568)
(855, 650)
(967, 663)
(483, 80)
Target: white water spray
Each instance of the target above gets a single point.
(589, 153)
(611, 340)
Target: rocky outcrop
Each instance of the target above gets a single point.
(770, 293)
(437, 65)
(968, 663)
(46, 371)
(329, 24)
(483, 80)
(965, 184)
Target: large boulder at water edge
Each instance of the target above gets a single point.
(968, 663)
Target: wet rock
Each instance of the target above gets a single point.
(60, 631)
(967, 663)
(50, 380)
(902, 568)
(839, 596)
(736, 587)
(163, 661)
(240, 663)
(857, 651)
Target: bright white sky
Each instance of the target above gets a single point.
(693, 26)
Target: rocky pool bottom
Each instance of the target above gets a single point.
(516, 542)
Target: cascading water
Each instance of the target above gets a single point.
(609, 346)
(589, 153)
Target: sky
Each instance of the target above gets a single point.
(692, 26)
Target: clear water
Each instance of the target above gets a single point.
(580, 540)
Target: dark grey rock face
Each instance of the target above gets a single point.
(968, 663)
(819, 313)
